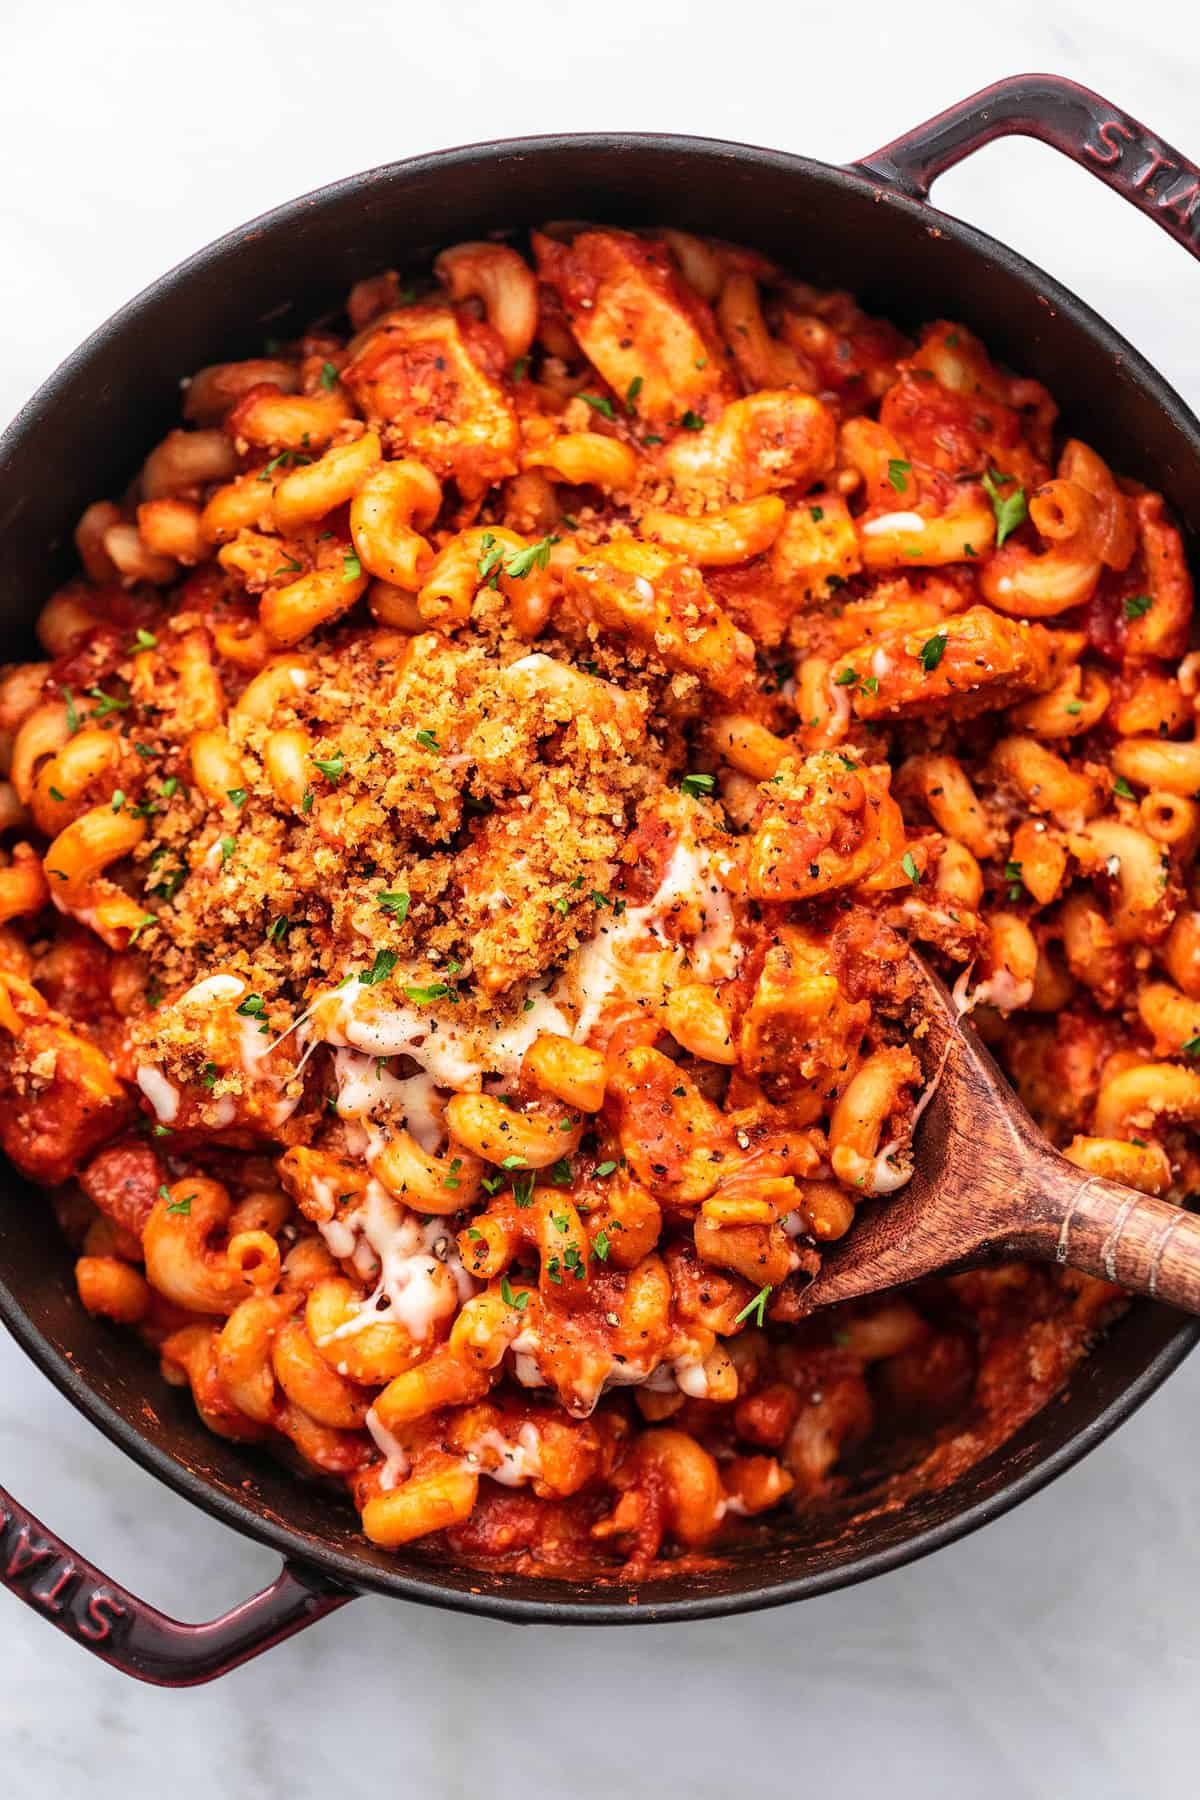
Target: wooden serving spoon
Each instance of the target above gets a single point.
(988, 1187)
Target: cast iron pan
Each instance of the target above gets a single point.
(867, 227)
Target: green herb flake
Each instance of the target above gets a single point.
(380, 969)
(898, 473)
(691, 421)
(183, 1206)
(144, 640)
(397, 904)
(118, 800)
(1138, 605)
(428, 741)
(332, 767)
(1122, 787)
(756, 1308)
(1010, 509)
(632, 392)
(252, 1007)
(535, 556)
(105, 703)
(329, 376)
(600, 1246)
(698, 784)
(932, 652)
(816, 514)
(518, 1302)
(425, 996)
(908, 864)
(601, 403)
(228, 846)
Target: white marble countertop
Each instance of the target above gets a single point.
(1054, 1654)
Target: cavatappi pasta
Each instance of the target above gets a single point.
(464, 840)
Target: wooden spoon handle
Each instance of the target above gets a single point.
(1123, 1236)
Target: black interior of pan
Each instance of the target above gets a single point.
(85, 434)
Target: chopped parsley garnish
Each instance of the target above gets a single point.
(290, 567)
(252, 1007)
(451, 1178)
(183, 1206)
(517, 1301)
(380, 969)
(536, 556)
(1010, 509)
(396, 903)
(600, 1246)
(351, 567)
(816, 514)
(847, 678)
(55, 795)
(1191, 1048)
(237, 795)
(1138, 605)
(118, 800)
(277, 930)
(756, 1307)
(908, 864)
(333, 767)
(632, 392)
(605, 1168)
(520, 368)
(489, 562)
(423, 996)
(898, 473)
(522, 1188)
(600, 403)
(698, 784)
(428, 741)
(105, 703)
(561, 1172)
(1075, 707)
(1122, 787)
(228, 846)
(306, 803)
(513, 1162)
(329, 376)
(209, 1074)
(932, 651)
(144, 640)
(691, 421)
(169, 787)
(1013, 876)
(135, 934)
(72, 715)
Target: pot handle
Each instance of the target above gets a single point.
(136, 1638)
(1143, 168)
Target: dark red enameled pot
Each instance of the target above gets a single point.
(867, 227)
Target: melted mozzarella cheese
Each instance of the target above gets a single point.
(641, 950)
(161, 1093)
(389, 1244)
(395, 1456)
(519, 1462)
(897, 521)
(365, 1090)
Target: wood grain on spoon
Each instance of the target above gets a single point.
(988, 1186)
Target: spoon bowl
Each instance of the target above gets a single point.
(987, 1186)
